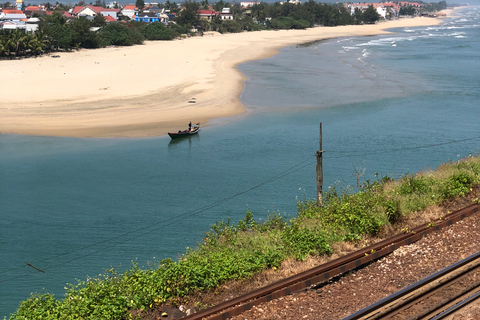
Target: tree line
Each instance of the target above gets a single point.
(57, 33)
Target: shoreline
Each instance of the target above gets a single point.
(151, 89)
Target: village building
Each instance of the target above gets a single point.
(246, 4)
(147, 17)
(226, 14)
(129, 11)
(12, 14)
(207, 14)
(89, 10)
(20, 5)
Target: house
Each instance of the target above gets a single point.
(92, 11)
(147, 17)
(154, 9)
(110, 19)
(413, 4)
(226, 14)
(32, 8)
(246, 4)
(12, 25)
(384, 9)
(112, 4)
(110, 13)
(30, 11)
(129, 11)
(12, 14)
(207, 14)
(32, 24)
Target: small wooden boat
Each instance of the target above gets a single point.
(185, 133)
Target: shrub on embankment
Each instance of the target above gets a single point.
(235, 251)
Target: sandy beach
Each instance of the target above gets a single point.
(150, 89)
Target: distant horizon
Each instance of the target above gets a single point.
(72, 3)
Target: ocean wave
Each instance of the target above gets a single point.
(457, 34)
(349, 48)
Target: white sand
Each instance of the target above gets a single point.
(145, 90)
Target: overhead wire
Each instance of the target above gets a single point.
(169, 221)
(164, 223)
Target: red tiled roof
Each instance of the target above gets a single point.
(77, 9)
(96, 9)
(129, 8)
(110, 19)
(67, 14)
(110, 10)
(12, 11)
(32, 8)
(206, 12)
(49, 12)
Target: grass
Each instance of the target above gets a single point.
(252, 252)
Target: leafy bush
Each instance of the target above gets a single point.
(410, 185)
(158, 31)
(457, 185)
(289, 23)
(302, 242)
(117, 34)
(38, 306)
(392, 210)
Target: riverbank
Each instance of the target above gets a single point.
(147, 90)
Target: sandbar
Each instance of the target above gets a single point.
(150, 89)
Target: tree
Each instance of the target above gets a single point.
(205, 4)
(17, 41)
(140, 4)
(370, 15)
(407, 11)
(118, 34)
(57, 31)
(99, 21)
(219, 5)
(188, 16)
(36, 42)
(157, 31)
(82, 35)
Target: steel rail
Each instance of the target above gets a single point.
(324, 272)
(409, 295)
(457, 307)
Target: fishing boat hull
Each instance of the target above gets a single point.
(183, 134)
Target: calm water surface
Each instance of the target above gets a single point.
(393, 104)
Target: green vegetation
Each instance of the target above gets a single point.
(237, 251)
(57, 33)
(409, 10)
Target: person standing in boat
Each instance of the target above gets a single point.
(190, 126)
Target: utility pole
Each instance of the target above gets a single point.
(319, 171)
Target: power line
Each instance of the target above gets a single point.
(164, 223)
(356, 153)
(170, 221)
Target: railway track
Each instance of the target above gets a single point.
(435, 297)
(318, 275)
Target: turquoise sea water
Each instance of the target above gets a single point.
(391, 104)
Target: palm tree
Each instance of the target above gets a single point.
(205, 4)
(17, 41)
(36, 42)
(2, 45)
